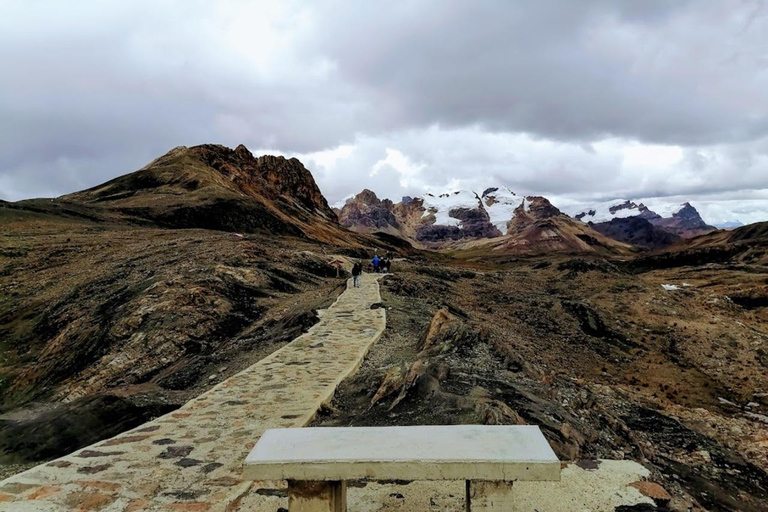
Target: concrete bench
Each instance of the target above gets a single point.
(317, 462)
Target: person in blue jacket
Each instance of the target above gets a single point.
(375, 262)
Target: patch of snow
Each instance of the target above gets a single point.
(442, 205)
(526, 205)
(666, 210)
(601, 212)
(500, 205)
(670, 287)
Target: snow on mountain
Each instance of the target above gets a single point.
(680, 219)
(501, 203)
(606, 211)
(441, 206)
(664, 209)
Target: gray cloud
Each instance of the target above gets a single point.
(578, 100)
(658, 72)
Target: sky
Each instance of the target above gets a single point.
(580, 101)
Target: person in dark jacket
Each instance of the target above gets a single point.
(357, 270)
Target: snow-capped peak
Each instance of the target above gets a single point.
(501, 203)
(604, 212)
(442, 205)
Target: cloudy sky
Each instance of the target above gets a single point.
(580, 101)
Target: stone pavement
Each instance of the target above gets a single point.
(191, 459)
(587, 486)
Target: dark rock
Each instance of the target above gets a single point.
(173, 452)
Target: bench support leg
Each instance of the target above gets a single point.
(489, 496)
(316, 496)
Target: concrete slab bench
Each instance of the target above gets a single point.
(317, 462)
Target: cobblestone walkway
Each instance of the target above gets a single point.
(190, 460)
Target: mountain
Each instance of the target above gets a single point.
(636, 231)
(647, 228)
(462, 220)
(684, 222)
(214, 187)
(554, 234)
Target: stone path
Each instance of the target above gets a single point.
(191, 459)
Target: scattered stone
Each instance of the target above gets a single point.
(174, 452)
(164, 441)
(153, 428)
(186, 494)
(188, 463)
(211, 466)
(59, 464)
(122, 440)
(89, 470)
(87, 454)
(588, 464)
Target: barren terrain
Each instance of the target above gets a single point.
(608, 362)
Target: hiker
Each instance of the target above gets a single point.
(384, 265)
(387, 265)
(357, 269)
(376, 261)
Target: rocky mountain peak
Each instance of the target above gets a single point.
(366, 212)
(367, 197)
(243, 152)
(540, 207)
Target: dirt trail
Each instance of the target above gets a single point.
(191, 459)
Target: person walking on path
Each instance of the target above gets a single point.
(357, 270)
(376, 261)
